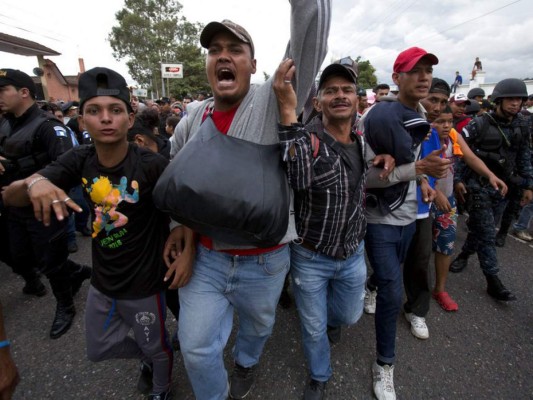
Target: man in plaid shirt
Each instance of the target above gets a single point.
(326, 169)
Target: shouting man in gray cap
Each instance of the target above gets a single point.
(230, 277)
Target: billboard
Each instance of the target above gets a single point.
(140, 92)
(172, 70)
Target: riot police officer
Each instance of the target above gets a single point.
(476, 94)
(500, 138)
(29, 139)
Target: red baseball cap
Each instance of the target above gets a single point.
(407, 59)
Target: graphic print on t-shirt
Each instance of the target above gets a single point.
(106, 198)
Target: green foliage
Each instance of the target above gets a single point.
(367, 79)
(151, 32)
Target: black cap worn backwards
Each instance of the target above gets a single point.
(102, 81)
(18, 79)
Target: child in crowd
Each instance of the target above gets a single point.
(444, 207)
(143, 136)
(171, 124)
(129, 233)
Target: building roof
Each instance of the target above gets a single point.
(16, 45)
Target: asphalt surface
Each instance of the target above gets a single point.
(483, 351)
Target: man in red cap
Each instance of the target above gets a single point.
(396, 127)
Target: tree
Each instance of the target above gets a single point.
(366, 79)
(151, 32)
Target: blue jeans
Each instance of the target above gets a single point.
(387, 246)
(221, 283)
(327, 291)
(525, 218)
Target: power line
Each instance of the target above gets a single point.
(380, 17)
(32, 32)
(461, 23)
(394, 14)
(472, 19)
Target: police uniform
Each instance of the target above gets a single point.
(29, 142)
(504, 147)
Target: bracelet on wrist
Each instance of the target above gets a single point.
(421, 177)
(34, 181)
(5, 343)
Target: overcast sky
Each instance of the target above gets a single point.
(457, 31)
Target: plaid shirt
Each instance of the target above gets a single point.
(329, 197)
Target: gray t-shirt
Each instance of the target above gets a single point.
(352, 154)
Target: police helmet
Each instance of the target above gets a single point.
(475, 92)
(510, 87)
(473, 108)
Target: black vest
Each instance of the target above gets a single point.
(20, 147)
(497, 143)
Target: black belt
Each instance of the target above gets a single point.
(308, 246)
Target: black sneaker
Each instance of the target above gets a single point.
(459, 264)
(160, 396)
(315, 390)
(34, 288)
(241, 382)
(145, 384)
(334, 334)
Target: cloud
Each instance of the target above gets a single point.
(455, 30)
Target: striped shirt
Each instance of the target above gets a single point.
(329, 194)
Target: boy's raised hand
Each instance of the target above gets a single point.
(433, 164)
(46, 197)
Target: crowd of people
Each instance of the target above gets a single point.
(384, 174)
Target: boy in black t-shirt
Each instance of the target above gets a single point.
(129, 233)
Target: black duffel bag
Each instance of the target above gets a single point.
(228, 189)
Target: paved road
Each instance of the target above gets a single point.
(484, 351)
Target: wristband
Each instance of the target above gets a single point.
(34, 181)
(5, 343)
(419, 179)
